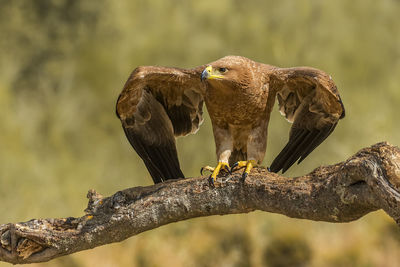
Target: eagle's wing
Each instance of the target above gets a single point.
(156, 105)
(309, 99)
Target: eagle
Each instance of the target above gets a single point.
(158, 104)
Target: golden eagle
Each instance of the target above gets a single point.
(158, 104)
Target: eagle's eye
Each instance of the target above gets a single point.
(222, 70)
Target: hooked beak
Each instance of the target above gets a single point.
(206, 73)
(209, 73)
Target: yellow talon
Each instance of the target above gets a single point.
(206, 168)
(248, 164)
(239, 164)
(217, 169)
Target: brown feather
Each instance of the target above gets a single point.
(317, 109)
(156, 105)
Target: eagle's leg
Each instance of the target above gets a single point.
(256, 146)
(223, 143)
(249, 164)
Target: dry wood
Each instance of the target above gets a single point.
(368, 181)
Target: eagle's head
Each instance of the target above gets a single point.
(229, 72)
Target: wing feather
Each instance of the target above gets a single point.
(308, 98)
(156, 105)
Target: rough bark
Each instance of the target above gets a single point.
(368, 181)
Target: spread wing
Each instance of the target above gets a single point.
(156, 105)
(310, 100)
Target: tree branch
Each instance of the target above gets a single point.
(368, 181)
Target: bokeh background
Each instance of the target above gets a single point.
(64, 62)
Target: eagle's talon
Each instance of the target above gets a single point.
(206, 168)
(234, 166)
(248, 164)
(239, 165)
(226, 168)
(221, 165)
(211, 181)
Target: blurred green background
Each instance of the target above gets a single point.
(64, 62)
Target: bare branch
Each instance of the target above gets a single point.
(368, 181)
